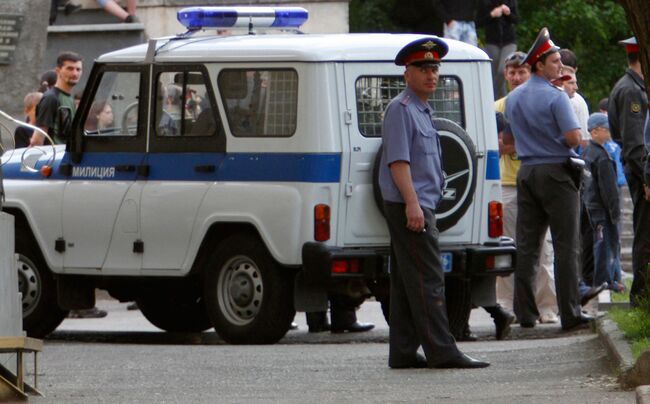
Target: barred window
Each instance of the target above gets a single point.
(260, 103)
(375, 92)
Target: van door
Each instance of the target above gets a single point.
(187, 144)
(100, 208)
(369, 89)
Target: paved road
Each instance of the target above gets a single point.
(123, 359)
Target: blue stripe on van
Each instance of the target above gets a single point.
(281, 167)
(492, 165)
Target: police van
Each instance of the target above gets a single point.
(235, 181)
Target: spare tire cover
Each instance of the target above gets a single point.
(459, 169)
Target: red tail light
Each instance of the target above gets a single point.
(345, 266)
(321, 222)
(495, 219)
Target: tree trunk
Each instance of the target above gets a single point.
(638, 15)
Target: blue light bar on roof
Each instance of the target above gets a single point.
(195, 18)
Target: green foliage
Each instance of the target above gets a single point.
(590, 28)
(372, 16)
(635, 325)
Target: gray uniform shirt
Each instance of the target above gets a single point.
(539, 114)
(409, 135)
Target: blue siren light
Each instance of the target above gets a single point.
(195, 18)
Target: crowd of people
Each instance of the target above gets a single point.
(562, 172)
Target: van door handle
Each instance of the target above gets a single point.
(208, 168)
(125, 168)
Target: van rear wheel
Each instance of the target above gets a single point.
(249, 297)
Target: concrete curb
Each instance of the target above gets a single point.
(631, 374)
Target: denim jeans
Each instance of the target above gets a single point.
(606, 242)
(464, 31)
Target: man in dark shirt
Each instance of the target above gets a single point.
(600, 198)
(58, 98)
(457, 18)
(627, 110)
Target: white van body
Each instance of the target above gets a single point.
(177, 222)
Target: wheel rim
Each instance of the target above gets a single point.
(239, 290)
(29, 284)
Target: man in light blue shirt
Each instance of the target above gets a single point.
(545, 130)
(411, 182)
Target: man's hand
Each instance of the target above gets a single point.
(505, 9)
(401, 173)
(414, 217)
(647, 192)
(37, 139)
(496, 12)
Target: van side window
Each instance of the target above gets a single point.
(182, 105)
(260, 103)
(373, 93)
(114, 109)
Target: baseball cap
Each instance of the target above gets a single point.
(597, 120)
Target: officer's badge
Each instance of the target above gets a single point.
(428, 56)
(635, 107)
(428, 45)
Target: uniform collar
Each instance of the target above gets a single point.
(422, 106)
(594, 143)
(637, 79)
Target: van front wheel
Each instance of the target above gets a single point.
(249, 297)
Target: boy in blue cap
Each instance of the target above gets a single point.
(601, 200)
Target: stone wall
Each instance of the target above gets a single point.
(21, 75)
(159, 16)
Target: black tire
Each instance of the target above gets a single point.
(175, 309)
(459, 304)
(459, 165)
(41, 312)
(249, 297)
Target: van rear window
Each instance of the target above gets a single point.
(260, 103)
(375, 92)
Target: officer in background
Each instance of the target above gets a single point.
(626, 111)
(545, 130)
(411, 183)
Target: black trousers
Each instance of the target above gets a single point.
(418, 312)
(547, 195)
(641, 225)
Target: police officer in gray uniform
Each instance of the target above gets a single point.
(626, 111)
(545, 130)
(411, 182)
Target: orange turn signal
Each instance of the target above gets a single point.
(321, 222)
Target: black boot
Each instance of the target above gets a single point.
(317, 321)
(502, 320)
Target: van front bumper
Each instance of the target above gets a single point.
(322, 263)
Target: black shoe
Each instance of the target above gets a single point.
(467, 335)
(462, 362)
(87, 313)
(319, 328)
(591, 293)
(131, 18)
(527, 324)
(502, 322)
(71, 8)
(582, 320)
(420, 363)
(354, 327)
